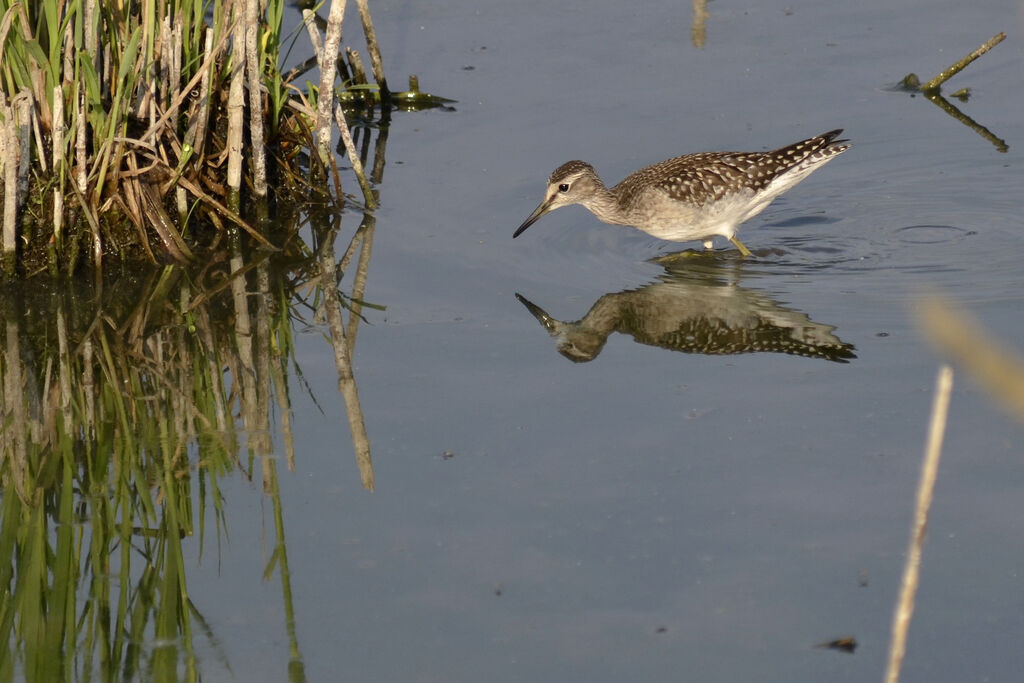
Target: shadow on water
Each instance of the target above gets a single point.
(696, 306)
(125, 406)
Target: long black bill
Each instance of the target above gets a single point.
(537, 213)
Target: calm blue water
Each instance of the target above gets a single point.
(653, 514)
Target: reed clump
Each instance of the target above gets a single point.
(149, 131)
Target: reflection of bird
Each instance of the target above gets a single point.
(694, 317)
(692, 197)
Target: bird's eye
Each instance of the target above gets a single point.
(564, 187)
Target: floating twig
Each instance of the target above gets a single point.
(953, 70)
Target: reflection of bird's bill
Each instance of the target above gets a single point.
(544, 207)
(539, 313)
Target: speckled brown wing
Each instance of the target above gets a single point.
(707, 177)
(710, 176)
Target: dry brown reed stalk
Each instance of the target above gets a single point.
(81, 163)
(328, 70)
(255, 79)
(355, 63)
(23, 115)
(339, 115)
(58, 164)
(195, 136)
(374, 49)
(9, 161)
(236, 105)
(925, 491)
(353, 158)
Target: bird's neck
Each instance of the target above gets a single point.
(604, 204)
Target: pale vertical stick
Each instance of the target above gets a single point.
(309, 21)
(236, 97)
(58, 163)
(328, 69)
(24, 104)
(353, 158)
(371, 44)
(925, 490)
(177, 38)
(253, 69)
(91, 31)
(81, 172)
(199, 126)
(9, 162)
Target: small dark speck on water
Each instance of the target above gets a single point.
(469, 67)
(882, 334)
(498, 590)
(846, 644)
(661, 629)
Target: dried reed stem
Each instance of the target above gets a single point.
(58, 163)
(925, 490)
(353, 158)
(236, 100)
(328, 69)
(374, 48)
(355, 63)
(177, 36)
(309, 21)
(202, 117)
(9, 161)
(25, 113)
(259, 152)
(81, 170)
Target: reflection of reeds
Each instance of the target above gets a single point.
(112, 454)
(122, 475)
(342, 339)
(125, 403)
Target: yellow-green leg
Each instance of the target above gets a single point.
(739, 245)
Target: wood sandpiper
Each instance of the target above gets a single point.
(692, 197)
